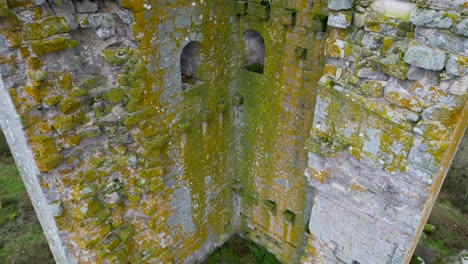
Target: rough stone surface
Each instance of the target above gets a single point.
(457, 65)
(425, 57)
(86, 6)
(340, 4)
(431, 18)
(415, 73)
(442, 39)
(359, 20)
(340, 19)
(462, 28)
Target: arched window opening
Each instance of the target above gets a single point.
(188, 64)
(254, 51)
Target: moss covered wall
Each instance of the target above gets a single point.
(277, 113)
(136, 168)
(340, 145)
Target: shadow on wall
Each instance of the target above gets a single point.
(254, 51)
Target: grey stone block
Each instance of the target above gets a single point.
(415, 73)
(462, 28)
(425, 57)
(456, 65)
(86, 6)
(442, 39)
(340, 19)
(340, 4)
(431, 18)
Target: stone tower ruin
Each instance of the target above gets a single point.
(152, 131)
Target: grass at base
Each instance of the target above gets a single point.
(450, 236)
(22, 240)
(238, 250)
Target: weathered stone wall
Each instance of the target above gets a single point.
(333, 152)
(133, 167)
(390, 106)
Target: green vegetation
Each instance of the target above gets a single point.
(450, 235)
(237, 250)
(21, 239)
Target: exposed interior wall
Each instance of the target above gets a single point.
(390, 112)
(333, 152)
(140, 168)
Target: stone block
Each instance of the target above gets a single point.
(48, 163)
(424, 57)
(429, 94)
(86, 6)
(433, 130)
(114, 96)
(427, 153)
(340, 19)
(460, 86)
(371, 74)
(288, 17)
(381, 24)
(373, 89)
(372, 41)
(56, 208)
(334, 48)
(340, 4)
(414, 171)
(63, 7)
(398, 96)
(48, 27)
(432, 18)
(457, 65)
(110, 243)
(393, 65)
(359, 20)
(439, 112)
(462, 28)
(157, 142)
(43, 46)
(415, 73)
(372, 141)
(397, 115)
(69, 105)
(442, 39)
(325, 110)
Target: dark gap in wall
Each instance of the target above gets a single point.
(254, 51)
(188, 64)
(239, 250)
